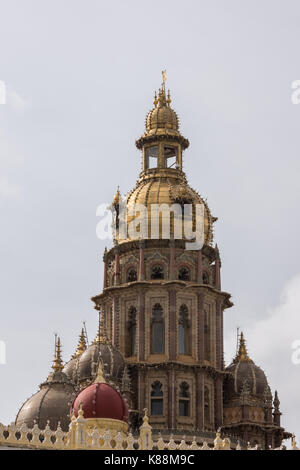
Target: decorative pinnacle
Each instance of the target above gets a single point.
(117, 197)
(101, 335)
(81, 344)
(100, 379)
(57, 363)
(242, 354)
(276, 401)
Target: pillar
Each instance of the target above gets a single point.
(117, 265)
(199, 400)
(200, 340)
(200, 268)
(105, 269)
(142, 261)
(172, 326)
(172, 259)
(141, 327)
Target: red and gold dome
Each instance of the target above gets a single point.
(101, 401)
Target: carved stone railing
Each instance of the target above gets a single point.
(81, 436)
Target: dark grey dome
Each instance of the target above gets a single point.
(82, 370)
(51, 403)
(245, 376)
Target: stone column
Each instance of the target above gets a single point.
(199, 400)
(141, 327)
(170, 402)
(200, 335)
(219, 338)
(218, 402)
(200, 268)
(217, 269)
(142, 261)
(172, 259)
(117, 265)
(105, 269)
(172, 326)
(116, 321)
(141, 391)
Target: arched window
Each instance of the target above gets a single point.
(157, 330)
(184, 274)
(131, 345)
(157, 272)
(157, 401)
(131, 275)
(184, 400)
(205, 278)
(183, 330)
(207, 413)
(206, 336)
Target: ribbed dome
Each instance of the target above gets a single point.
(246, 376)
(162, 121)
(51, 403)
(83, 369)
(162, 118)
(101, 400)
(168, 186)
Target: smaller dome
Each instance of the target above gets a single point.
(101, 400)
(52, 402)
(83, 369)
(162, 116)
(245, 376)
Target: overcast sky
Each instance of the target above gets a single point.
(80, 77)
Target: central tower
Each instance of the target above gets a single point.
(162, 305)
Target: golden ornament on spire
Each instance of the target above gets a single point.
(100, 376)
(57, 362)
(117, 197)
(81, 345)
(164, 75)
(242, 354)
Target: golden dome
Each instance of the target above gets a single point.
(162, 118)
(169, 187)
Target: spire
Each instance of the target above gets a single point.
(162, 122)
(242, 354)
(117, 197)
(57, 362)
(101, 334)
(81, 344)
(276, 401)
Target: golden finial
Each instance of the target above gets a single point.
(100, 376)
(57, 362)
(164, 76)
(81, 345)
(242, 354)
(117, 197)
(155, 99)
(80, 411)
(169, 98)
